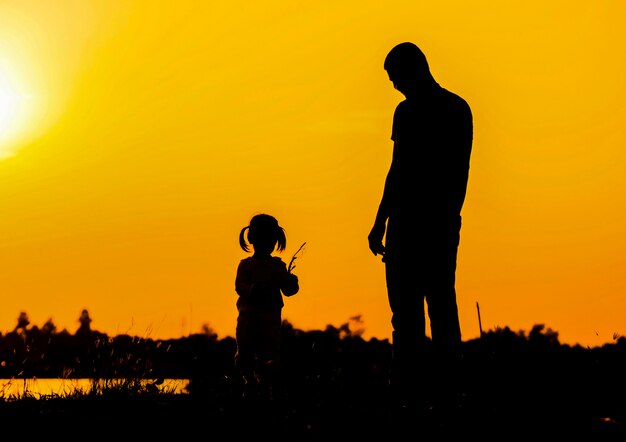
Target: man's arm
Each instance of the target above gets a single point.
(465, 135)
(375, 237)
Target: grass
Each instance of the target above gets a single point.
(320, 409)
(30, 389)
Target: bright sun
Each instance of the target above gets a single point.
(13, 107)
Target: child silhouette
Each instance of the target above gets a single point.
(262, 280)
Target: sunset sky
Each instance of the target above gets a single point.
(137, 138)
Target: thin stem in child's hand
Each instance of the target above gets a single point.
(293, 258)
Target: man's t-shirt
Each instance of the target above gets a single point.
(432, 138)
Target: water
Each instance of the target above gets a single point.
(35, 387)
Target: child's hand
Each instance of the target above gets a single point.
(290, 284)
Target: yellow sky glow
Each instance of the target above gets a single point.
(14, 109)
(155, 130)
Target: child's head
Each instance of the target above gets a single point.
(264, 233)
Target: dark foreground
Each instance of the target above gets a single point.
(511, 412)
(334, 386)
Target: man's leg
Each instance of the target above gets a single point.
(409, 342)
(444, 322)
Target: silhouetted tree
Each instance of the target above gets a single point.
(49, 328)
(540, 335)
(85, 323)
(208, 331)
(22, 323)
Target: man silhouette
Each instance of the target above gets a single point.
(419, 217)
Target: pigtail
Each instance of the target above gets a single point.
(281, 239)
(242, 239)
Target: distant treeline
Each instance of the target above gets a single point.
(30, 351)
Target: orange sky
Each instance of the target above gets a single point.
(138, 137)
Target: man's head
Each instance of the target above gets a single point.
(408, 68)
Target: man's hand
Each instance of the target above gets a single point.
(375, 239)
